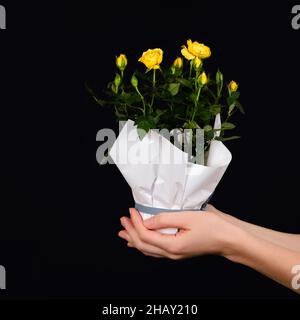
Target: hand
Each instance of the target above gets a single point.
(270, 252)
(199, 233)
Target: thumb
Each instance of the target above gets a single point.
(167, 220)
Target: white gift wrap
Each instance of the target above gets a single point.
(160, 183)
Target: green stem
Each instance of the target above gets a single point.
(153, 85)
(191, 68)
(196, 103)
(227, 118)
(154, 79)
(196, 78)
(198, 94)
(143, 100)
(220, 89)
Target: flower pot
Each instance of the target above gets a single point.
(159, 184)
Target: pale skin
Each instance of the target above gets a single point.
(269, 252)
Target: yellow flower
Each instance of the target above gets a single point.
(178, 63)
(152, 58)
(195, 49)
(197, 63)
(233, 86)
(186, 53)
(203, 78)
(121, 62)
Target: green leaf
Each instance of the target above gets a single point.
(204, 115)
(207, 128)
(173, 88)
(92, 93)
(208, 135)
(227, 126)
(233, 97)
(129, 98)
(120, 115)
(190, 125)
(240, 107)
(158, 114)
(185, 83)
(114, 88)
(144, 124)
(231, 107)
(228, 139)
(100, 102)
(142, 132)
(215, 109)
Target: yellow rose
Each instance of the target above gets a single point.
(197, 63)
(121, 62)
(178, 63)
(186, 53)
(233, 86)
(195, 49)
(152, 58)
(203, 78)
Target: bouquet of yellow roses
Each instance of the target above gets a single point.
(170, 149)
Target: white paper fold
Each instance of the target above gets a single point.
(157, 182)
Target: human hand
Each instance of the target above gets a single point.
(199, 233)
(270, 252)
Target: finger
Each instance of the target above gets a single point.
(164, 241)
(145, 252)
(148, 254)
(137, 242)
(168, 220)
(124, 235)
(130, 245)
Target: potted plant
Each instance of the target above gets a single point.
(185, 102)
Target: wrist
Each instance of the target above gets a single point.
(232, 242)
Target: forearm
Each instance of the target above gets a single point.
(286, 240)
(272, 260)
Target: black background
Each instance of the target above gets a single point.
(60, 210)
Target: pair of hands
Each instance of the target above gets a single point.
(272, 253)
(199, 233)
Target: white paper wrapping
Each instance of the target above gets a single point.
(158, 182)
